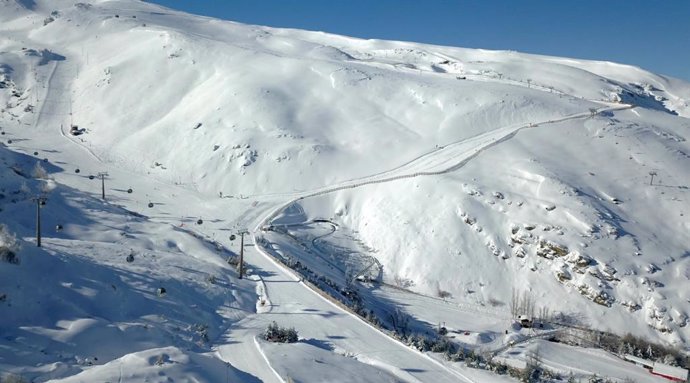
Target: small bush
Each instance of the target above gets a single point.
(8, 256)
(442, 345)
(8, 246)
(201, 330)
(595, 379)
(275, 333)
(233, 260)
(400, 321)
(160, 360)
(39, 172)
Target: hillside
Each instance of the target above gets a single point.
(468, 174)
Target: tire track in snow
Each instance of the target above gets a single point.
(53, 93)
(46, 94)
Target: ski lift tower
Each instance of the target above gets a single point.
(652, 174)
(102, 175)
(241, 233)
(40, 201)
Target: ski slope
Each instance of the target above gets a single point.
(467, 174)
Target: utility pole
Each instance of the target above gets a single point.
(652, 173)
(240, 266)
(40, 201)
(103, 175)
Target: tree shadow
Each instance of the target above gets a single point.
(413, 370)
(324, 345)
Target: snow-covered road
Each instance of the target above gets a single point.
(314, 317)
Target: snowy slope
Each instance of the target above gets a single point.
(78, 300)
(546, 221)
(466, 173)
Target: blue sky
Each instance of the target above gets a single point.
(652, 34)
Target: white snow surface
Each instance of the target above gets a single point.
(468, 174)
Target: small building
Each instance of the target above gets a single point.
(648, 364)
(672, 373)
(675, 374)
(525, 321)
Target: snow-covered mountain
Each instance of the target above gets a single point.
(468, 174)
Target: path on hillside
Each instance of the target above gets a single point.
(444, 160)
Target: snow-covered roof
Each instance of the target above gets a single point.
(637, 360)
(670, 371)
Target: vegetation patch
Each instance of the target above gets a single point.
(277, 334)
